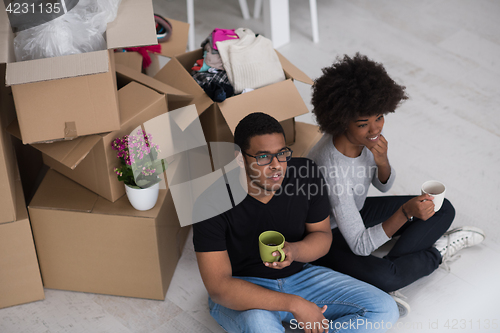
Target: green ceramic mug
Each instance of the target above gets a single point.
(269, 242)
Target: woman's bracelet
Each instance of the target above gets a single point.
(406, 214)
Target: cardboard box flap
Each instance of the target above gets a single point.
(58, 192)
(6, 37)
(123, 207)
(70, 152)
(178, 41)
(280, 100)
(134, 25)
(131, 60)
(66, 66)
(292, 71)
(148, 81)
(174, 74)
(133, 98)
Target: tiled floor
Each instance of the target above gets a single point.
(447, 53)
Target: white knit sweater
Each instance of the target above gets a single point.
(250, 62)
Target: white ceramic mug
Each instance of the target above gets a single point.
(437, 190)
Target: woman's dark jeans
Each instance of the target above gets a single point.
(412, 257)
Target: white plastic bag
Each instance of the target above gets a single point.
(97, 12)
(78, 31)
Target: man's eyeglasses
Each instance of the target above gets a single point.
(265, 159)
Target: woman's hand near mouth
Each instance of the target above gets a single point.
(379, 151)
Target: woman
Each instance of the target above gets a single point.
(351, 100)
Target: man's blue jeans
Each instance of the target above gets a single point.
(353, 306)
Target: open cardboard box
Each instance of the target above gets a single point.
(20, 280)
(69, 96)
(90, 160)
(86, 243)
(280, 100)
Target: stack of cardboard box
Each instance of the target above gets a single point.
(69, 109)
(88, 237)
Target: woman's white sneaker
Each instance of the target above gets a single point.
(457, 239)
(403, 307)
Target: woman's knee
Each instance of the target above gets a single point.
(390, 282)
(448, 209)
(445, 216)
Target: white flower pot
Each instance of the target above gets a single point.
(143, 198)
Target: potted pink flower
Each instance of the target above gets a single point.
(139, 168)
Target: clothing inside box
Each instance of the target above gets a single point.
(234, 62)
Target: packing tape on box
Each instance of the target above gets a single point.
(70, 130)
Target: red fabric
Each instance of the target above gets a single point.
(144, 51)
(197, 66)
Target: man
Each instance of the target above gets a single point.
(287, 195)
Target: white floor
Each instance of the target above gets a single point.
(447, 53)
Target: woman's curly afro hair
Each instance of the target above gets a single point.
(352, 88)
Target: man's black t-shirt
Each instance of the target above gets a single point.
(302, 198)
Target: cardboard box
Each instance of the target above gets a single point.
(90, 160)
(69, 96)
(20, 280)
(86, 243)
(8, 167)
(306, 137)
(280, 100)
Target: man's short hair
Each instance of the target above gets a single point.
(352, 88)
(257, 123)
